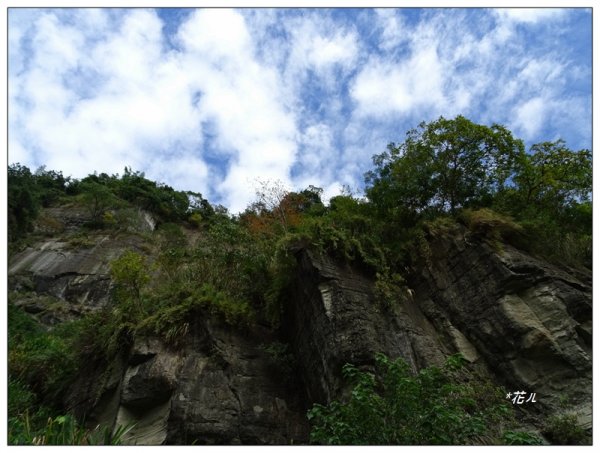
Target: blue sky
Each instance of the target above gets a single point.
(213, 100)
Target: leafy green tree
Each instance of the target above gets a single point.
(442, 166)
(554, 176)
(130, 273)
(97, 198)
(550, 196)
(23, 201)
(51, 185)
(199, 206)
(168, 204)
(436, 406)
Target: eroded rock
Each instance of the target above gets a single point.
(529, 321)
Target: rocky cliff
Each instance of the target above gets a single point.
(524, 322)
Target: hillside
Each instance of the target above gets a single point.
(139, 314)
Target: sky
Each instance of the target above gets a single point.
(216, 100)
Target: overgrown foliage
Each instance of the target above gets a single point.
(41, 366)
(393, 406)
(61, 430)
(448, 166)
(564, 430)
(41, 361)
(448, 177)
(443, 166)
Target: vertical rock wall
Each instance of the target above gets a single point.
(526, 322)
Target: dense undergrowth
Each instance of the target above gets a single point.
(437, 406)
(447, 177)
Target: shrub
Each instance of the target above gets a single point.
(61, 430)
(42, 361)
(520, 438)
(129, 272)
(172, 322)
(564, 430)
(491, 225)
(20, 397)
(436, 406)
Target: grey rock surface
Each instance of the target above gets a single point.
(221, 387)
(528, 321)
(334, 319)
(525, 322)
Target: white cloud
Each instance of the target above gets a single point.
(530, 15)
(319, 46)
(317, 156)
(540, 73)
(530, 117)
(243, 99)
(382, 87)
(393, 29)
(215, 33)
(273, 93)
(148, 101)
(339, 49)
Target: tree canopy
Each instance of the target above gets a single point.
(442, 166)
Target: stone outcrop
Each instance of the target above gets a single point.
(219, 387)
(529, 321)
(525, 322)
(333, 318)
(68, 274)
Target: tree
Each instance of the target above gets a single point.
(275, 210)
(23, 201)
(130, 274)
(442, 166)
(553, 175)
(97, 199)
(51, 184)
(550, 196)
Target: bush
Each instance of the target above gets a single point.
(20, 397)
(129, 272)
(437, 406)
(491, 225)
(172, 322)
(520, 438)
(42, 361)
(564, 430)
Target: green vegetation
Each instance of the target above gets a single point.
(436, 406)
(62, 430)
(41, 367)
(447, 167)
(442, 166)
(129, 272)
(449, 177)
(564, 430)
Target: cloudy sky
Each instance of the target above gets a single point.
(212, 99)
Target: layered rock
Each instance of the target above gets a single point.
(68, 274)
(529, 321)
(220, 386)
(525, 322)
(333, 318)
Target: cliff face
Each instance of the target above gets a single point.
(530, 322)
(219, 387)
(526, 323)
(69, 270)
